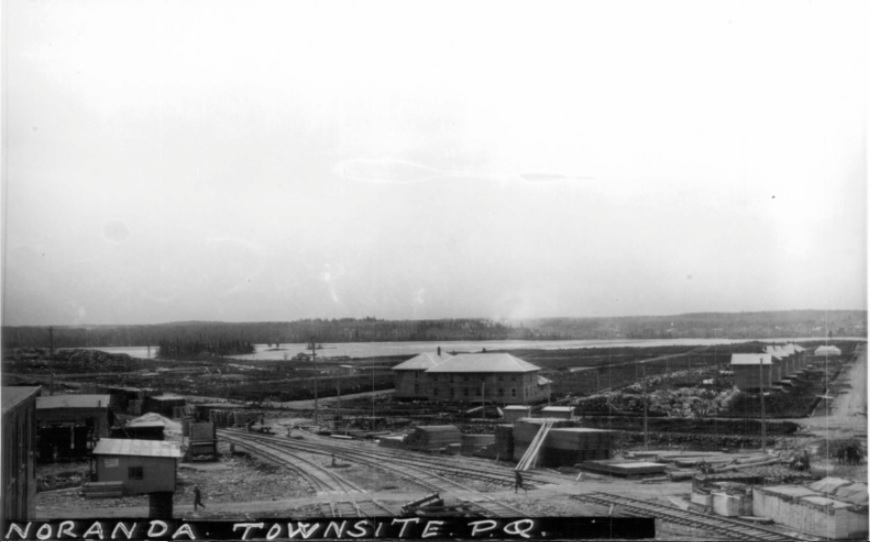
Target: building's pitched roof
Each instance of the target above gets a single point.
(136, 447)
(751, 359)
(484, 363)
(799, 348)
(167, 397)
(557, 409)
(831, 350)
(13, 395)
(775, 351)
(421, 362)
(73, 401)
(544, 381)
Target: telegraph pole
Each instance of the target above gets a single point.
(763, 417)
(645, 408)
(313, 347)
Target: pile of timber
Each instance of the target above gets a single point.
(563, 445)
(433, 438)
(530, 457)
(233, 418)
(503, 447)
(397, 443)
(472, 444)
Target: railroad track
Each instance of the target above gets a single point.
(346, 499)
(425, 473)
(483, 471)
(730, 528)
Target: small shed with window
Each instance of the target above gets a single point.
(140, 466)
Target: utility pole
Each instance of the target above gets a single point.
(763, 417)
(645, 408)
(483, 397)
(51, 343)
(313, 347)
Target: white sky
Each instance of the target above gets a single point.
(272, 160)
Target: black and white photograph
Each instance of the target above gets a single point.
(568, 270)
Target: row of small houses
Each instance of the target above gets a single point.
(777, 364)
(471, 378)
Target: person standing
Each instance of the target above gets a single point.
(197, 498)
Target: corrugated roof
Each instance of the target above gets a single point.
(423, 361)
(830, 350)
(136, 447)
(751, 359)
(484, 363)
(73, 401)
(544, 381)
(13, 395)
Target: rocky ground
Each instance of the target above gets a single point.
(241, 486)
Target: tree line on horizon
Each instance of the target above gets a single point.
(701, 325)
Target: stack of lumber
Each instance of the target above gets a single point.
(433, 437)
(503, 448)
(530, 457)
(232, 418)
(564, 445)
(475, 443)
(392, 442)
(526, 429)
(134, 407)
(94, 490)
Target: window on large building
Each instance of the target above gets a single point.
(451, 379)
(135, 473)
(465, 392)
(452, 393)
(416, 389)
(435, 392)
(501, 392)
(513, 392)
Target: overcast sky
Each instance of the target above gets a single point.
(270, 160)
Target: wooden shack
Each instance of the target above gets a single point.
(202, 440)
(561, 412)
(513, 413)
(141, 429)
(164, 404)
(752, 371)
(19, 442)
(68, 425)
(139, 466)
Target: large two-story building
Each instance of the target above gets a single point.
(472, 378)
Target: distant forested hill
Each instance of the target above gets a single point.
(744, 325)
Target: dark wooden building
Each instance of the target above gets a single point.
(19, 443)
(70, 424)
(165, 405)
(139, 466)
